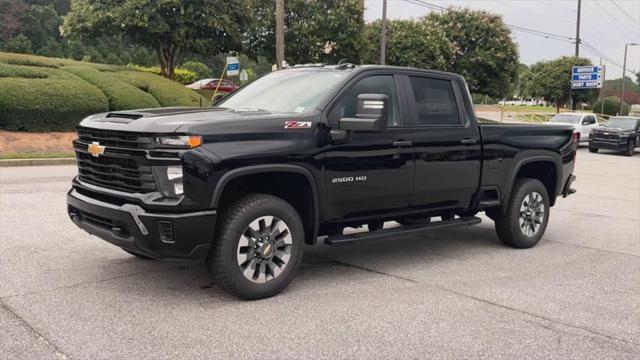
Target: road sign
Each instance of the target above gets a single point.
(243, 75)
(586, 77)
(233, 66)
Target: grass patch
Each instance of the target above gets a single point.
(37, 155)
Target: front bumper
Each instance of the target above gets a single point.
(157, 235)
(614, 144)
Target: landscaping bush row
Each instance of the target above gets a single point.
(47, 94)
(183, 76)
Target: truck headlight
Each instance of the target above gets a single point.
(169, 180)
(180, 141)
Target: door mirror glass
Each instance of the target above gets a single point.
(371, 116)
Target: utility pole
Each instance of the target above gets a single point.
(280, 33)
(383, 36)
(578, 30)
(577, 52)
(604, 78)
(624, 72)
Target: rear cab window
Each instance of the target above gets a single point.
(435, 101)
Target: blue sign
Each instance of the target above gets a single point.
(586, 69)
(591, 76)
(586, 77)
(233, 66)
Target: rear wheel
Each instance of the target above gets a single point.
(527, 214)
(593, 149)
(258, 248)
(631, 148)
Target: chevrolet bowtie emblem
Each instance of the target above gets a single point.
(95, 149)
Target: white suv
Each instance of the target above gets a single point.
(582, 123)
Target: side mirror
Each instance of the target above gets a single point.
(371, 116)
(216, 98)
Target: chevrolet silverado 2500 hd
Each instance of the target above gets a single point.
(301, 154)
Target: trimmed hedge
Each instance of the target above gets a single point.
(121, 95)
(183, 76)
(48, 94)
(47, 104)
(167, 92)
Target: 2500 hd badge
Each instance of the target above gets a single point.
(230, 185)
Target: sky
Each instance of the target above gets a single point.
(606, 25)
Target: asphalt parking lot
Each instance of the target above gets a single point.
(448, 294)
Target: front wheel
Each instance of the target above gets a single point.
(593, 149)
(258, 247)
(525, 219)
(631, 148)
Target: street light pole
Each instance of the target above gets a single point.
(624, 71)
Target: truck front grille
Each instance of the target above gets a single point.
(120, 139)
(115, 172)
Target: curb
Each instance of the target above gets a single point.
(37, 162)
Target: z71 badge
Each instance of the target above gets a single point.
(297, 125)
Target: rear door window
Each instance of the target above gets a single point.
(435, 101)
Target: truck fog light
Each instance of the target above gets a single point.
(169, 180)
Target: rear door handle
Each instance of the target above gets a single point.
(468, 141)
(402, 143)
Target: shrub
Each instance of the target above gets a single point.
(167, 92)
(55, 103)
(201, 70)
(19, 71)
(611, 106)
(122, 95)
(182, 76)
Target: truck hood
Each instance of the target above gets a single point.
(174, 119)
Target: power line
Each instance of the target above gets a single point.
(616, 20)
(624, 12)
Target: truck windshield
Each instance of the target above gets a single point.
(288, 91)
(623, 123)
(566, 119)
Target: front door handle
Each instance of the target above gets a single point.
(402, 143)
(468, 141)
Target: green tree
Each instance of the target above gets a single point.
(19, 44)
(170, 27)
(10, 15)
(551, 80)
(310, 25)
(611, 106)
(409, 43)
(40, 24)
(201, 70)
(484, 52)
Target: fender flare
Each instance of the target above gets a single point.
(520, 164)
(286, 168)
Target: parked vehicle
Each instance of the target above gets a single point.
(226, 86)
(619, 133)
(523, 102)
(301, 154)
(582, 123)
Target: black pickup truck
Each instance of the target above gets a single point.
(303, 153)
(619, 133)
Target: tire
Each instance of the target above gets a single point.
(262, 264)
(520, 228)
(139, 256)
(631, 148)
(593, 149)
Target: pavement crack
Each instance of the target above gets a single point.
(489, 302)
(71, 286)
(593, 248)
(59, 353)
